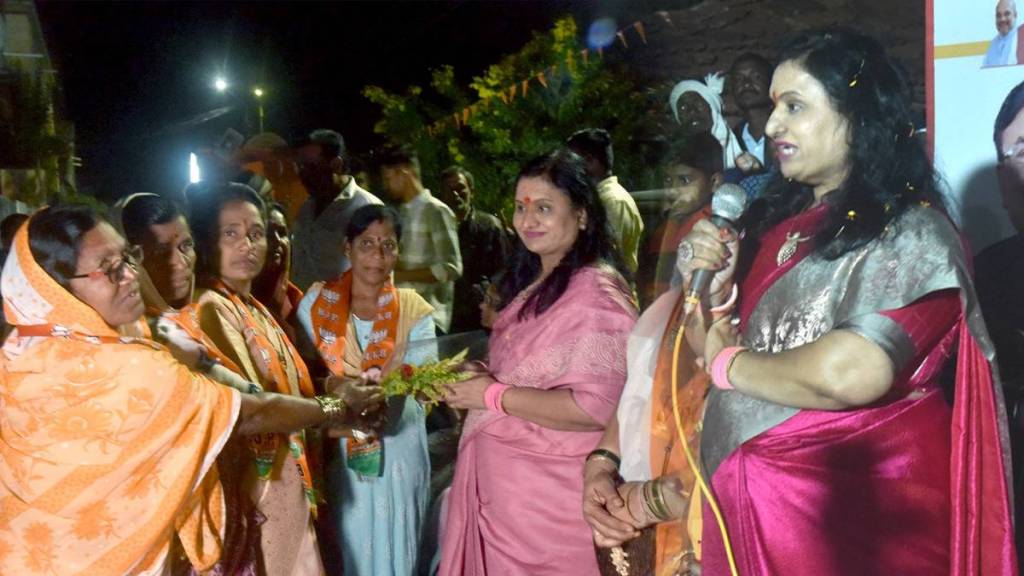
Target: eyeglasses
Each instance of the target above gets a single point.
(369, 245)
(131, 257)
(1015, 155)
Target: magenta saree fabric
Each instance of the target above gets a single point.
(905, 486)
(514, 505)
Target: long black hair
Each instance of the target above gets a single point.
(204, 216)
(889, 170)
(567, 171)
(55, 239)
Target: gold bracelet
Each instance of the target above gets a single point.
(333, 407)
(663, 512)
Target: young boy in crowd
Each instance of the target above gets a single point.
(693, 170)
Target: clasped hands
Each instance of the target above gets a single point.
(614, 509)
(362, 397)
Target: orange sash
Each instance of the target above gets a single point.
(330, 325)
(271, 367)
(674, 541)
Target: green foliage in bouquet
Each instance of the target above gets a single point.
(425, 382)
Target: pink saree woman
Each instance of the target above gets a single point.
(907, 485)
(514, 506)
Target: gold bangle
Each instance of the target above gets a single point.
(659, 501)
(333, 407)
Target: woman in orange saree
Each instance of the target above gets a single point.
(107, 445)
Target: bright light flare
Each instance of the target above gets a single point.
(220, 84)
(258, 92)
(193, 168)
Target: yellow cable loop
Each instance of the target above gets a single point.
(686, 448)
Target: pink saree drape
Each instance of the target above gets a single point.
(908, 485)
(514, 506)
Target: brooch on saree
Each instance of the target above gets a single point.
(788, 249)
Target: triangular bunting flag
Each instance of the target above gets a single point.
(639, 27)
(540, 78)
(465, 115)
(512, 93)
(664, 16)
(526, 87)
(455, 117)
(622, 38)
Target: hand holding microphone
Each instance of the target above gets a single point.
(706, 258)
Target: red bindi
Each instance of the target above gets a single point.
(527, 200)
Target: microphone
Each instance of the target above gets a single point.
(728, 204)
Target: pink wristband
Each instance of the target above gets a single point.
(493, 395)
(720, 366)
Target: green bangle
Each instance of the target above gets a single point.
(607, 455)
(663, 513)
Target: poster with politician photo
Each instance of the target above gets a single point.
(970, 75)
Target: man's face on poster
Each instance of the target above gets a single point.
(1006, 16)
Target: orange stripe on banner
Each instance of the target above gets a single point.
(961, 50)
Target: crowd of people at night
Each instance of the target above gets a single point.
(818, 378)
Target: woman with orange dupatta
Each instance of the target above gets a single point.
(828, 440)
(229, 222)
(360, 323)
(108, 443)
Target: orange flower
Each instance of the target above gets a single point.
(93, 521)
(79, 422)
(39, 534)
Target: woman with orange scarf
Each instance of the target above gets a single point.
(229, 222)
(107, 443)
(361, 323)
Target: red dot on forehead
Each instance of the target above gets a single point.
(527, 200)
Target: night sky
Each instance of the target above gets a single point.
(133, 73)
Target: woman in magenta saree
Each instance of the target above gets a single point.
(557, 367)
(832, 441)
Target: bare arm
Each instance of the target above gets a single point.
(837, 371)
(269, 412)
(555, 409)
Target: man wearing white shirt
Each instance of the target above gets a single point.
(750, 79)
(318, 238)
(1003, 49)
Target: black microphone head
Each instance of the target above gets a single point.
(729, 202)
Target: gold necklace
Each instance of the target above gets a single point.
(788, 248)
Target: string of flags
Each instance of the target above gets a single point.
(521, 88)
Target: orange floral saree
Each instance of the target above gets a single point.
(107, 444)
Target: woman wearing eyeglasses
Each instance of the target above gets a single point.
(360, 323)
(229, 223)
(107, 443)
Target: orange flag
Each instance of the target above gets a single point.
(540, 78)
(526, 87)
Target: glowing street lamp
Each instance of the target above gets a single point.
(258, 93)
(220, 84)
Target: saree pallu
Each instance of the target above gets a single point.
(908, 485)
(514, 506)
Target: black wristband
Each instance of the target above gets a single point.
(607, 454)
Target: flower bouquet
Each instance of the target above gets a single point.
(425, 382)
